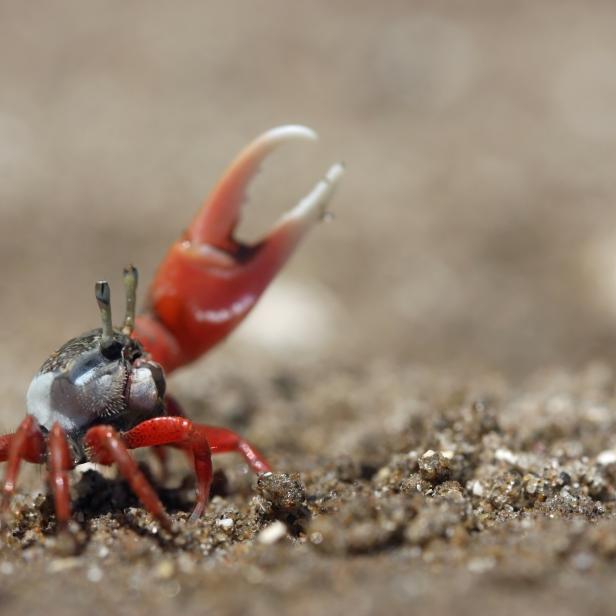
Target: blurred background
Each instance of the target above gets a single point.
(476, 225)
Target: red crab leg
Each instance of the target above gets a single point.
(60, 463)
(179, 431)
(209, 280)
(5, 443)
(107, 446)
(173, 409)
(27, 444)
(222, 440)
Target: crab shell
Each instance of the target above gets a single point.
(78, 386)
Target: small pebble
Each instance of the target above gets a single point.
(272, 533)
(504, 455)
(316, 538)
(477, 488)
(165, 569)
(481, 565)
(606, 457)
(63, 564)
(583, 561)
(94, 574)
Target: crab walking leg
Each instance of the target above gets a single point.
(173, 409)
(60, 463)
(5, 443)
(209, 280)
(160, 452)
(177, 431)
(107, 447)
(222, 440)
(27, 444)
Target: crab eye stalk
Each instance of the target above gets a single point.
(131, 279)
(103, 298)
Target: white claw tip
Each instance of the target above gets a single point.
(313, 206)
(335, 172)
(289, 132)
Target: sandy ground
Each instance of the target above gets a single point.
(432, 374)
(396, 489)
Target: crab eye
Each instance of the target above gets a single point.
(112, 350)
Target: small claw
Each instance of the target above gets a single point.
(210, 281)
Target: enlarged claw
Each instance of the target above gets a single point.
(209, 280)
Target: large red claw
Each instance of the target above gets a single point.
(209, 280)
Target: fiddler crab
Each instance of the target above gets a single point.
(103, 393)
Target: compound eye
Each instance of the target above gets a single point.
(112, 350)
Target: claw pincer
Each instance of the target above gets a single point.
(209, 280)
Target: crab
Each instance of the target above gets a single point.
(103, 393)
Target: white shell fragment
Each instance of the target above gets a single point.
(606, 457)
(272, 533)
